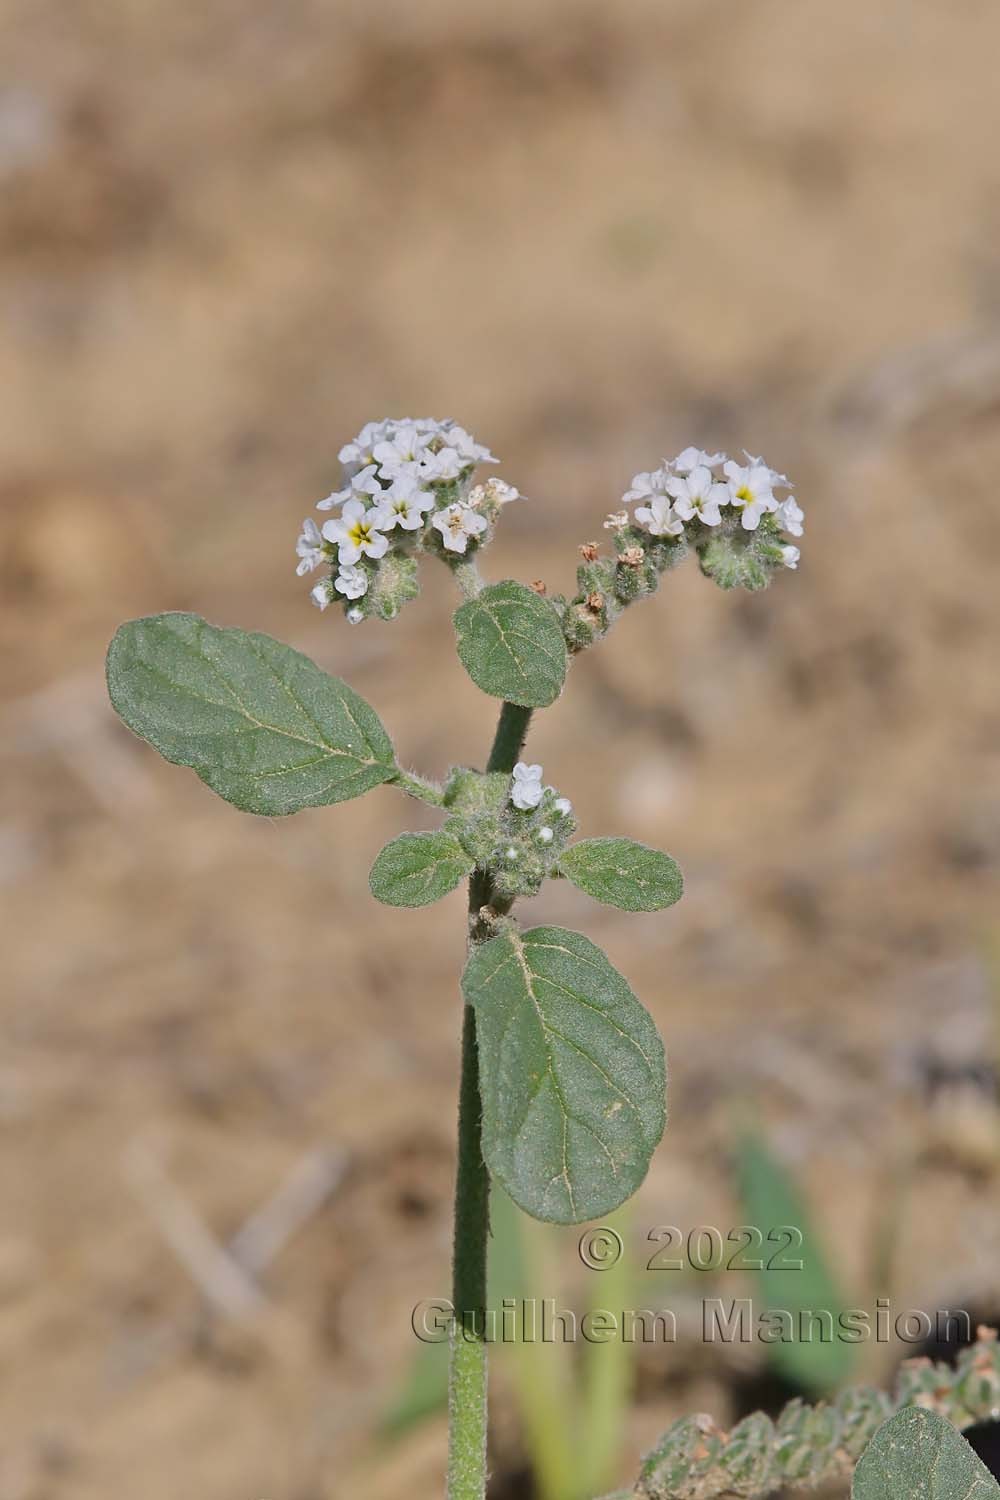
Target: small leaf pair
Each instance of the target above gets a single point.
(418, 868)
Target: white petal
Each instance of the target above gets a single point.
(686, 461)
(376, 546)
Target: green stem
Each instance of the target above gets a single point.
(468, 578)
(467, 1373)
(512, 731)
(419, 787)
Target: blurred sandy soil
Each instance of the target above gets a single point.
(228, 235)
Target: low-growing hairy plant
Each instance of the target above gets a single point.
(563, 1082)
(812, 1445)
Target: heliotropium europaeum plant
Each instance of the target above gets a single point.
(863, 1431)
(562, 1097)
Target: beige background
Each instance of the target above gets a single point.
(230, 233)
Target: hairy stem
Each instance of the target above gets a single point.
(468, 578)
(420, 787)
(512, 731)
(467, 1374)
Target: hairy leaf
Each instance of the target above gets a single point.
(511, 644)
(917, 1455)
(260, 723)
(572, 1073)
(623, 873)
(418, 868)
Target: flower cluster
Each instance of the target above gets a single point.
(514, 826)
(536, 825)
(407, 488)
(527, 791)
(698, 489)
(733, 516)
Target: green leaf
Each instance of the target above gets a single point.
(792, 1273)
(261, 724)
(418, 868)
(511, 644)
(623, 873)
(917, 1455)
(572, 1073)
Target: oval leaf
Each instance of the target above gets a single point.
(418, 868)
(917, 1455)
(511, 644)
(623, 873)
(572, 1073)
(260, 723)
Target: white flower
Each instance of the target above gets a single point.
(698, 496)
(358, 532)
(309, 547)
(695, 458)
(790, 516)
(352, 582)
(776, 478)
(545, 835)
(322, 594)
(355, 615)
(646, 486)
(563, 806)
(405, 504)
(510, 853)
(406, 446)
(790, 557)
(526, 786)
(363, 483)
(361, 451)
(446, 464)
(750, 490)
(498, 491)
(658, 517)
(615, 520)
(466, 446)
(457, 523)
(339, 497)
